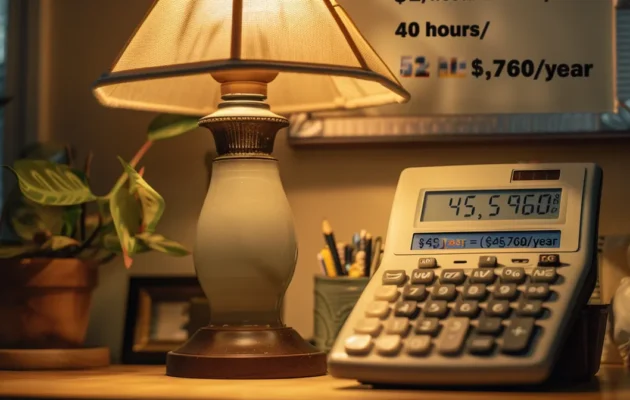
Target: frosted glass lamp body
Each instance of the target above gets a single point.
(246, 250)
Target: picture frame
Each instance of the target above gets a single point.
(356, 128)
(162, 313)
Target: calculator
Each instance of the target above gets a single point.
(484, 273)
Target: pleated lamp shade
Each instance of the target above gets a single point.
(322, 60)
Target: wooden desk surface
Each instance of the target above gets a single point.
(141, 382)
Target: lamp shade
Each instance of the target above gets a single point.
(323, 62)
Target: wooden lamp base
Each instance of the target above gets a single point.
(245, 353)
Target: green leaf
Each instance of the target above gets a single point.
(152, 203)
(60, 242)
(51, 184)
(161, 244)
(70, 217)
(10, 251)
(127, 216)
(50, 151)
(166, 126)
(28, 218)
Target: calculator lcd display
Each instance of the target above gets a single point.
(486, 240)
(484, 205)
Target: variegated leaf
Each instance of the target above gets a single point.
(152, 203)
(60, 242)
(47, 183)
(127, 215)
(166, 126)
(11, 251)
(161, 244)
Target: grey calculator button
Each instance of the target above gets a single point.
(436, 308)
(397, 326)
(476, 291)
(377, 309)
(427, 262)
(489, 325)
(452, 337)
(468, 308)
(537, 291)
(455, 276)
(544, 275)
(529, 308)
(407, 309)
(428, 326)
(513, 275)
(368, 326)
(444, 292)
(394, 277)
(388, 345)
(549, 260)
(487, 262)
(498, 308)
(358, 344)
(482, 275)
(387, 293)
(480, 344)
(419, 276)
(517, 335)
(415, 292)
(505, 291)
(418, 345)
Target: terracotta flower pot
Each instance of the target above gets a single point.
(45, 303)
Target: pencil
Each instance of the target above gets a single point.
(328, 262)
(368, 253)
(348, 251)
(332, 246)
(362, 239)
(341, 250)
(322, 264)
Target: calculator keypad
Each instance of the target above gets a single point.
(481, 311)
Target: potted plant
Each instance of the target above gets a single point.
(60, 232)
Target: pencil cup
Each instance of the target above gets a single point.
(334, 300)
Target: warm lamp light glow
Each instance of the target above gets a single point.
(324, 62)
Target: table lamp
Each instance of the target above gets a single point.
(217, 58)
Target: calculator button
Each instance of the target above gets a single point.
(415, 292)
(407, 309)
(418, 345)
(388, 345)
(505, 291)
(428, 326)
(544, 275)
(529, 308)
(517, 334)
(387, 293)
(475, 291)
(397, 326)
(419, 276)
(549, 260)
(468, 308)
(358, 344)
(436, 308)
(487, 262)
(394, 277)
(489, 325)
(480, 344)
(453, 335)
(498, 308)
(427, 262)
(444, 292)
(537, 291)
(369, 326)
(513, 275)
(484, 275)
(455, 276)
(377, 309)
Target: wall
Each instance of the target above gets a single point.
(352, 187)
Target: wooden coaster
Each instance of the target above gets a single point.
(49, 359)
